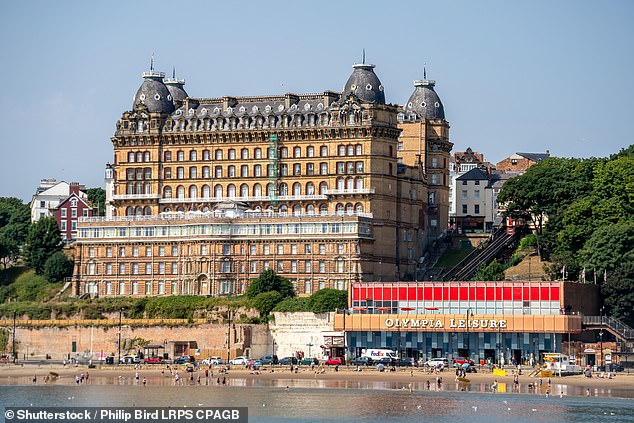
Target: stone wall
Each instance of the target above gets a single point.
(293, 332)
(208, 339)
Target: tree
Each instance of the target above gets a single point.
(618, 292)
(608, 247)
(493, 271)
(42, 241)
(57, 267)
(327, 300)
(15, 218)
(97, 196)
(264, 302)
(267, 281)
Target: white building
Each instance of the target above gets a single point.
(49, 195)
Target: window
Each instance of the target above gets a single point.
(351, 150)
(399, 146)
(297, 152)
(218, 154)
(108, 251)
(310, 168)
(280, 249)
(359, 149)
(293, 266)
(73, 213)
(341, 168)
(267, 250)
(121, 288)
(280, 266)
(232, 171)
(310, 151)
(121, 251)
(205, 154)
(193, 156)
(322, 248)
(232, 154)
(359, 167)
(323, 151)
(63, 228)
(174, 251)
(148, 268)
(180, 172)
(91, 268)
(307, 286)
(193, 172)
(340, 266)
(342, 150)
(464, 194)
(307, 249)
(73, 225)
(135, 251)
(283, 152)
(434, 179)
(206, 172)
(476, 193)
(168, 156)
(226, 249)
(284, 170)
(323, 168)
(307, 266)
(253, 267)
(148, 251)
(180, 156)
(135, 287)
(122, 269)
(174, 268)
(294, 249)
(339, 248)
(322, 266)
(108, 268)
(434, 162)
(244, 171)
(477, 182)
(257, 170)
(135, 268)
(258, 153)
(244, 153)
(218, 171)
(350, 167)
(252, 250)
(464, 209)
(63, 211)
(476, 208)
(297, 169)
(161, 251)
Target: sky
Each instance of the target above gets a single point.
(514, 76)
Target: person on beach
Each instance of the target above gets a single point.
(494, 386)
(144, 381)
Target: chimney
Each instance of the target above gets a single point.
(74, 188)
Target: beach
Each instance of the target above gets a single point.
(274, 375)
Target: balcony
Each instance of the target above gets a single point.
(262, 198)
(349, 191)
(136, 196)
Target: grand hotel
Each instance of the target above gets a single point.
(326, 189)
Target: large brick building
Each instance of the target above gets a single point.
(205, 193)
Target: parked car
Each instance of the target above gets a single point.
(269, 359)
(405, 362)
(214, 360)
(386, 361)
(130, 359)
(239, 361)
(362, 361)
(287, 361)
(183, 359)
(459, 361)
(154, 360)
(333, 361)
(437, 362)
(309, 360)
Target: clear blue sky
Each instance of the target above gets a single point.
(514, 76)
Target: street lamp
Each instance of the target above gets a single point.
(120, 313)
(309, 345)
(601, 336)
(345, 348)
(469, 314)
(229, 313)
(14, 352)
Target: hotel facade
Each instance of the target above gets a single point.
(326, 189)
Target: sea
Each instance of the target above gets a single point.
(321, 401)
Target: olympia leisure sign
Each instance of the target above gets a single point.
(453, 323)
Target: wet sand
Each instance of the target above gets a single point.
(18, 374)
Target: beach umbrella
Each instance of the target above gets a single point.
(465, 365)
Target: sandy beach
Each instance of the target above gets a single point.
(24, 374)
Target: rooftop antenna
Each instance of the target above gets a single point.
(174, 72)
(152, 63)
(425, 71)
(363, 61)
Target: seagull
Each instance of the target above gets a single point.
(418, 407)
(475, 407)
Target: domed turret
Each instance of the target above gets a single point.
(425, 102)
(364, 84)
(175, 88)
(154, 94)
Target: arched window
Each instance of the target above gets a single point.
(351, 150)
(167, 192)
(206, 191)
(258, 153)
(206, 155)
(358, 208)
(310, 188)
(297, 209)
(168, 156)
(231, 191)
(283, 208)
(193, 155)
(358, 183)
(244, 153)
(341, 184)
(323, 209)
(310, 209)
(310, 151)
(193, 172)
(283, 152)
(218, 191)
(244, 190)
(323, 186)
(147, 211)
(323, 151)
(138, 189)
(167, 173)
(138, 211)
(180, 192)
(147, 188)
(350, 183)
(232, 171)
(193, 191)
(139, 157)
(269, 189)
(283, 188)
(146, 156)
(232, 154)
(297, 152)
(218, 154)
(349, 208)
(131, 157)
(339, 208)
(129, 211)
(257, 190)
(297, 188)
(206, 172)
(359, 149)
(342, 150)
(180, 155)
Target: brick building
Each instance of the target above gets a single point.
(70, 210)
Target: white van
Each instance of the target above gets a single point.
(377, 354)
